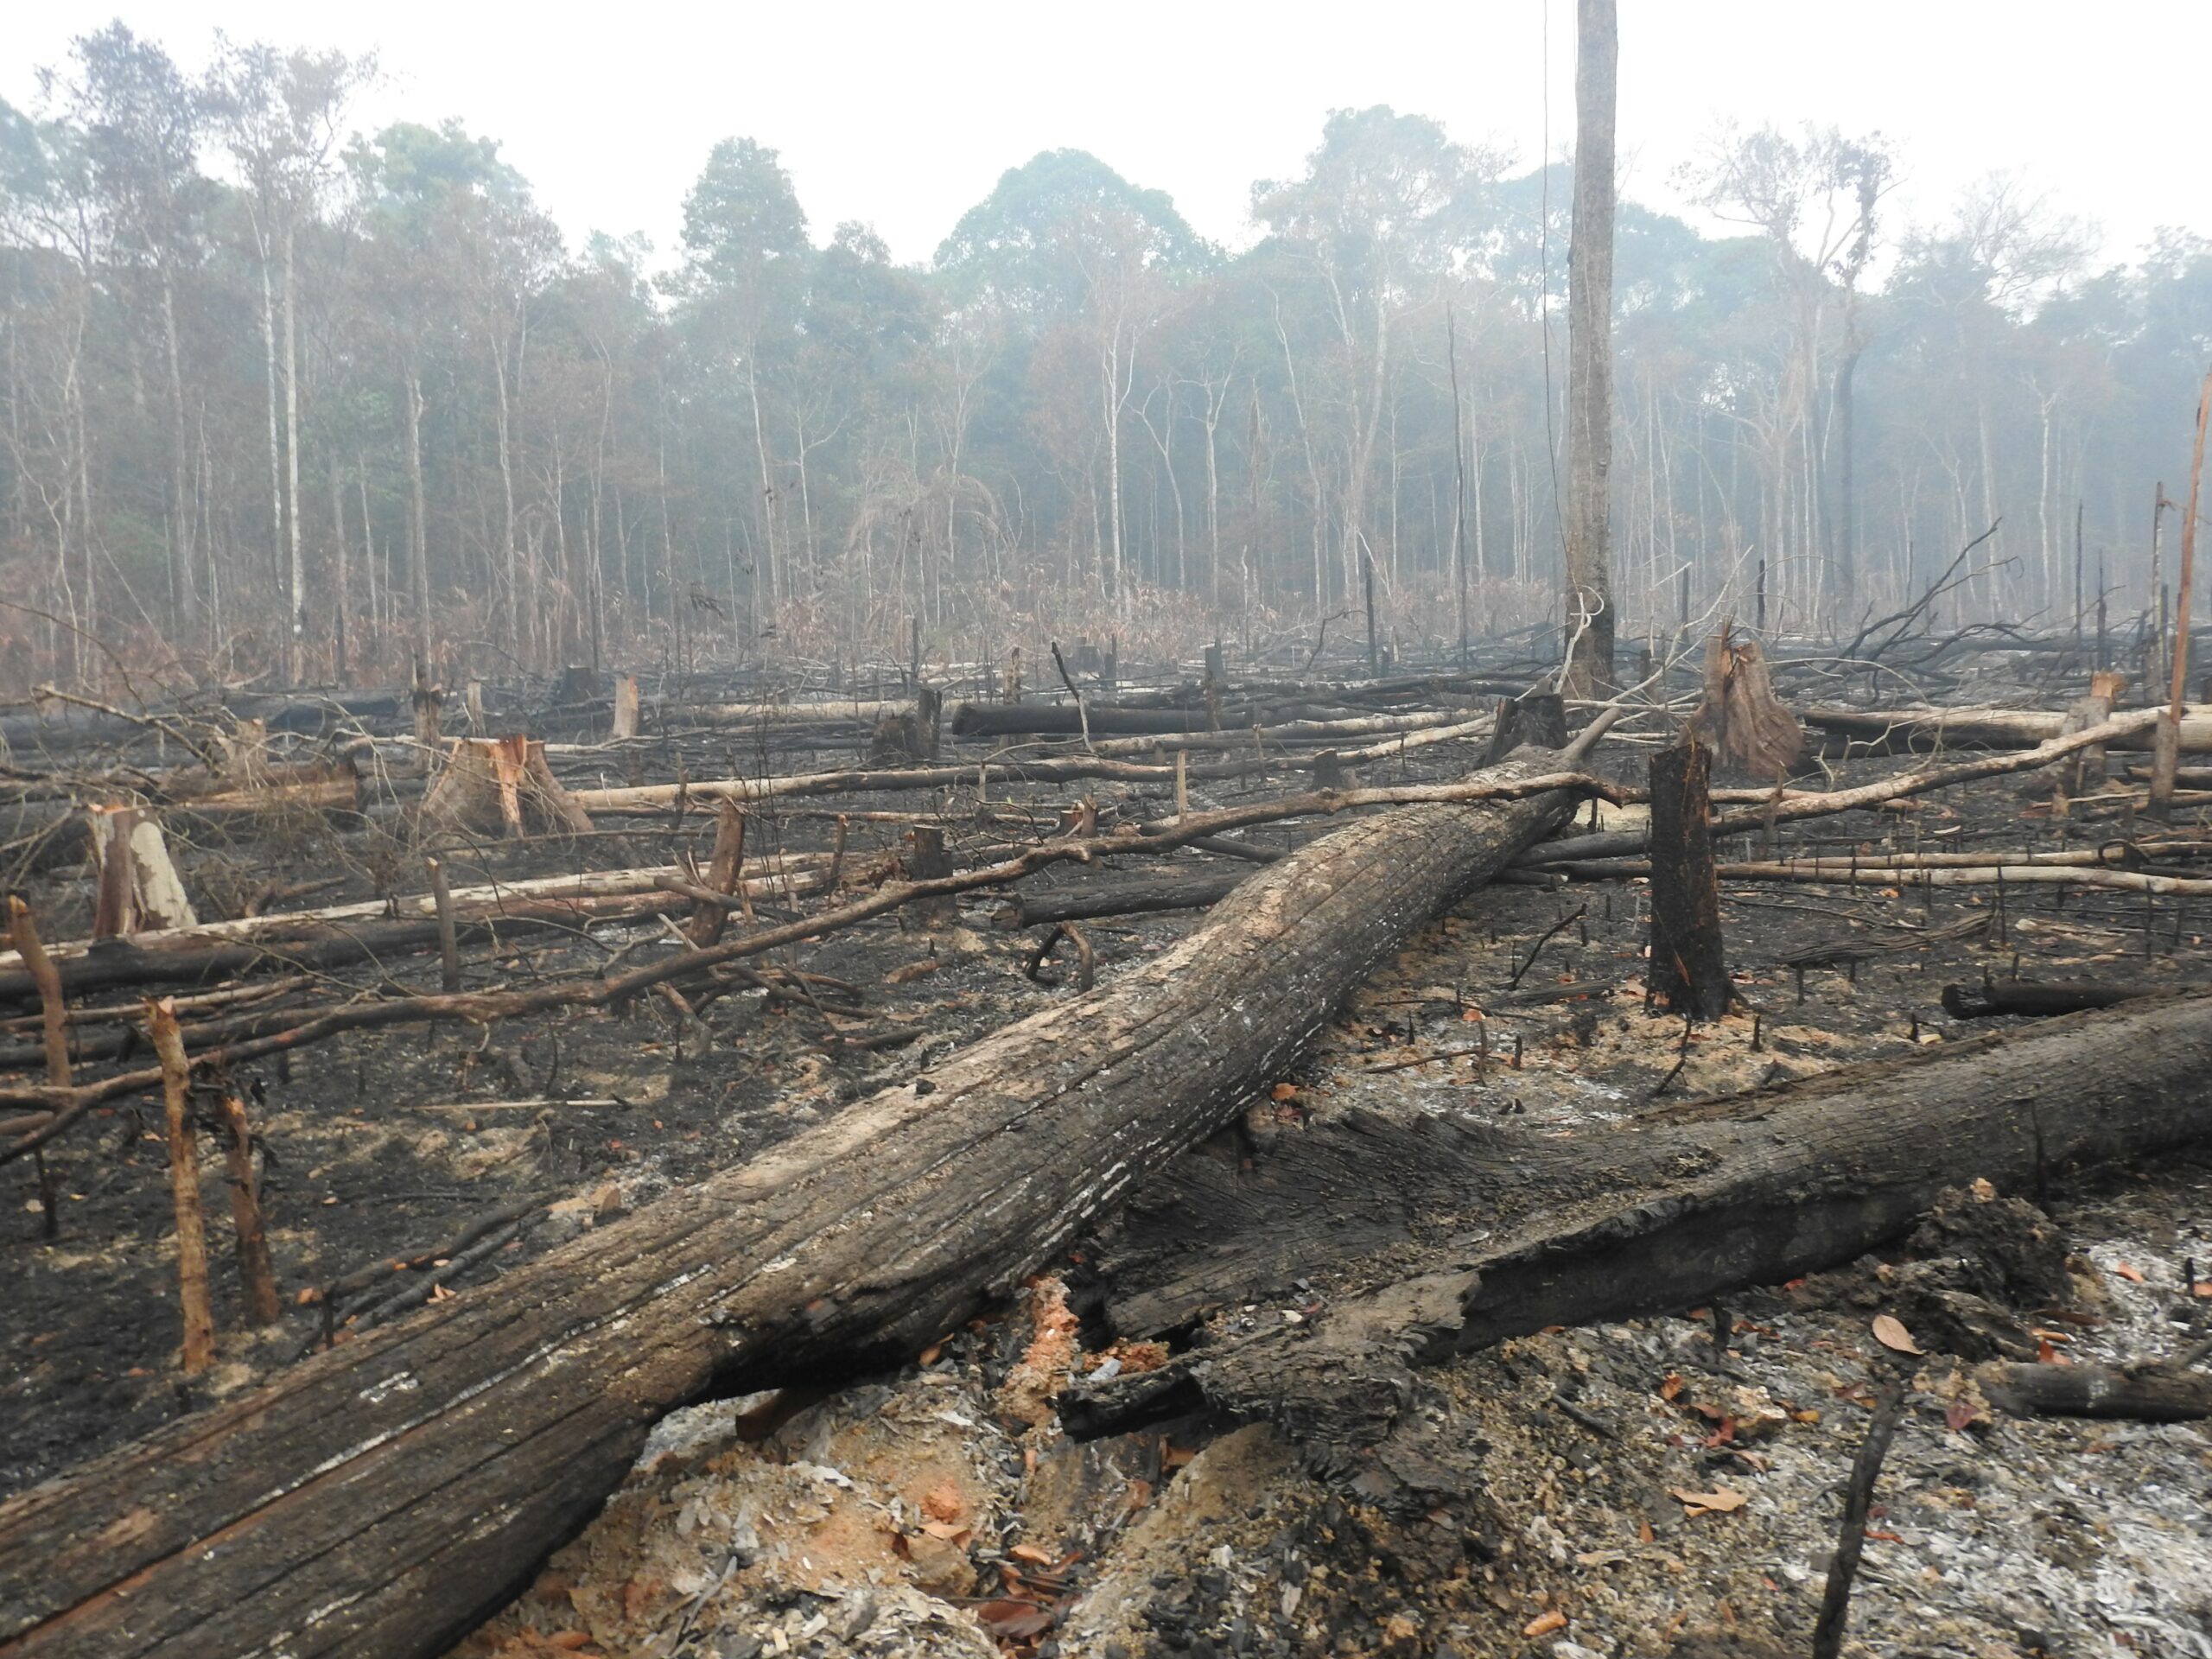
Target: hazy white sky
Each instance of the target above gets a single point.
(905, 114)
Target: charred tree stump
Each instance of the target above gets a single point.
(137, 888)
(1690, 970)
(184, 1188)
(1535, 717)
(255, 1271)
(724, 865)
(501, 786)
(429, 701)
(381, 1498)
(926, 861)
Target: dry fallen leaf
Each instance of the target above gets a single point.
(2202, 1290)
(1890, 1331)
(2126, 1270)
(1284, 1092)
(1012, 1621)
(1033, 1555)
(1545, 1623)
(1722, 1502)
(913, 970)
(1671, 1386)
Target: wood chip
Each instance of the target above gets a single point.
(1545, 1623)
(1724, 1501)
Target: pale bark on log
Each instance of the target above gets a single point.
(471, 903)
(1453, 1234)
(1991, 728)
(381, 1498)
(658, 797)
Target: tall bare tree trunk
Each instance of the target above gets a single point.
(513, 620)
(276, 441)
(341, 599)
(1590, 354)
(299, 569)
(418, 530)
(183, 601)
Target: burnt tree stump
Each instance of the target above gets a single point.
(1689, 970)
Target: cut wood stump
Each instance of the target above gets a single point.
(500, 786)
(137, 888)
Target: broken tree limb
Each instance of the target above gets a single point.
(1441, 1236)
(1790, 807)
(53, 1007)
(379, 1499)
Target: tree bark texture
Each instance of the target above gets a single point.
(381, 1498)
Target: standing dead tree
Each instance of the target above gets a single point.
(1590, 619)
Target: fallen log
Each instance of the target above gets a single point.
(381, 1498)
(1987, 729)
(88, 964)
(2040, 999)
(2150, 1394)
(658, 797)
(1443, 1235)
(1117, 893)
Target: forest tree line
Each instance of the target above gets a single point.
(283, 398)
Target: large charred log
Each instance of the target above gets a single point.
(379, 1498)
(1445, 1235)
